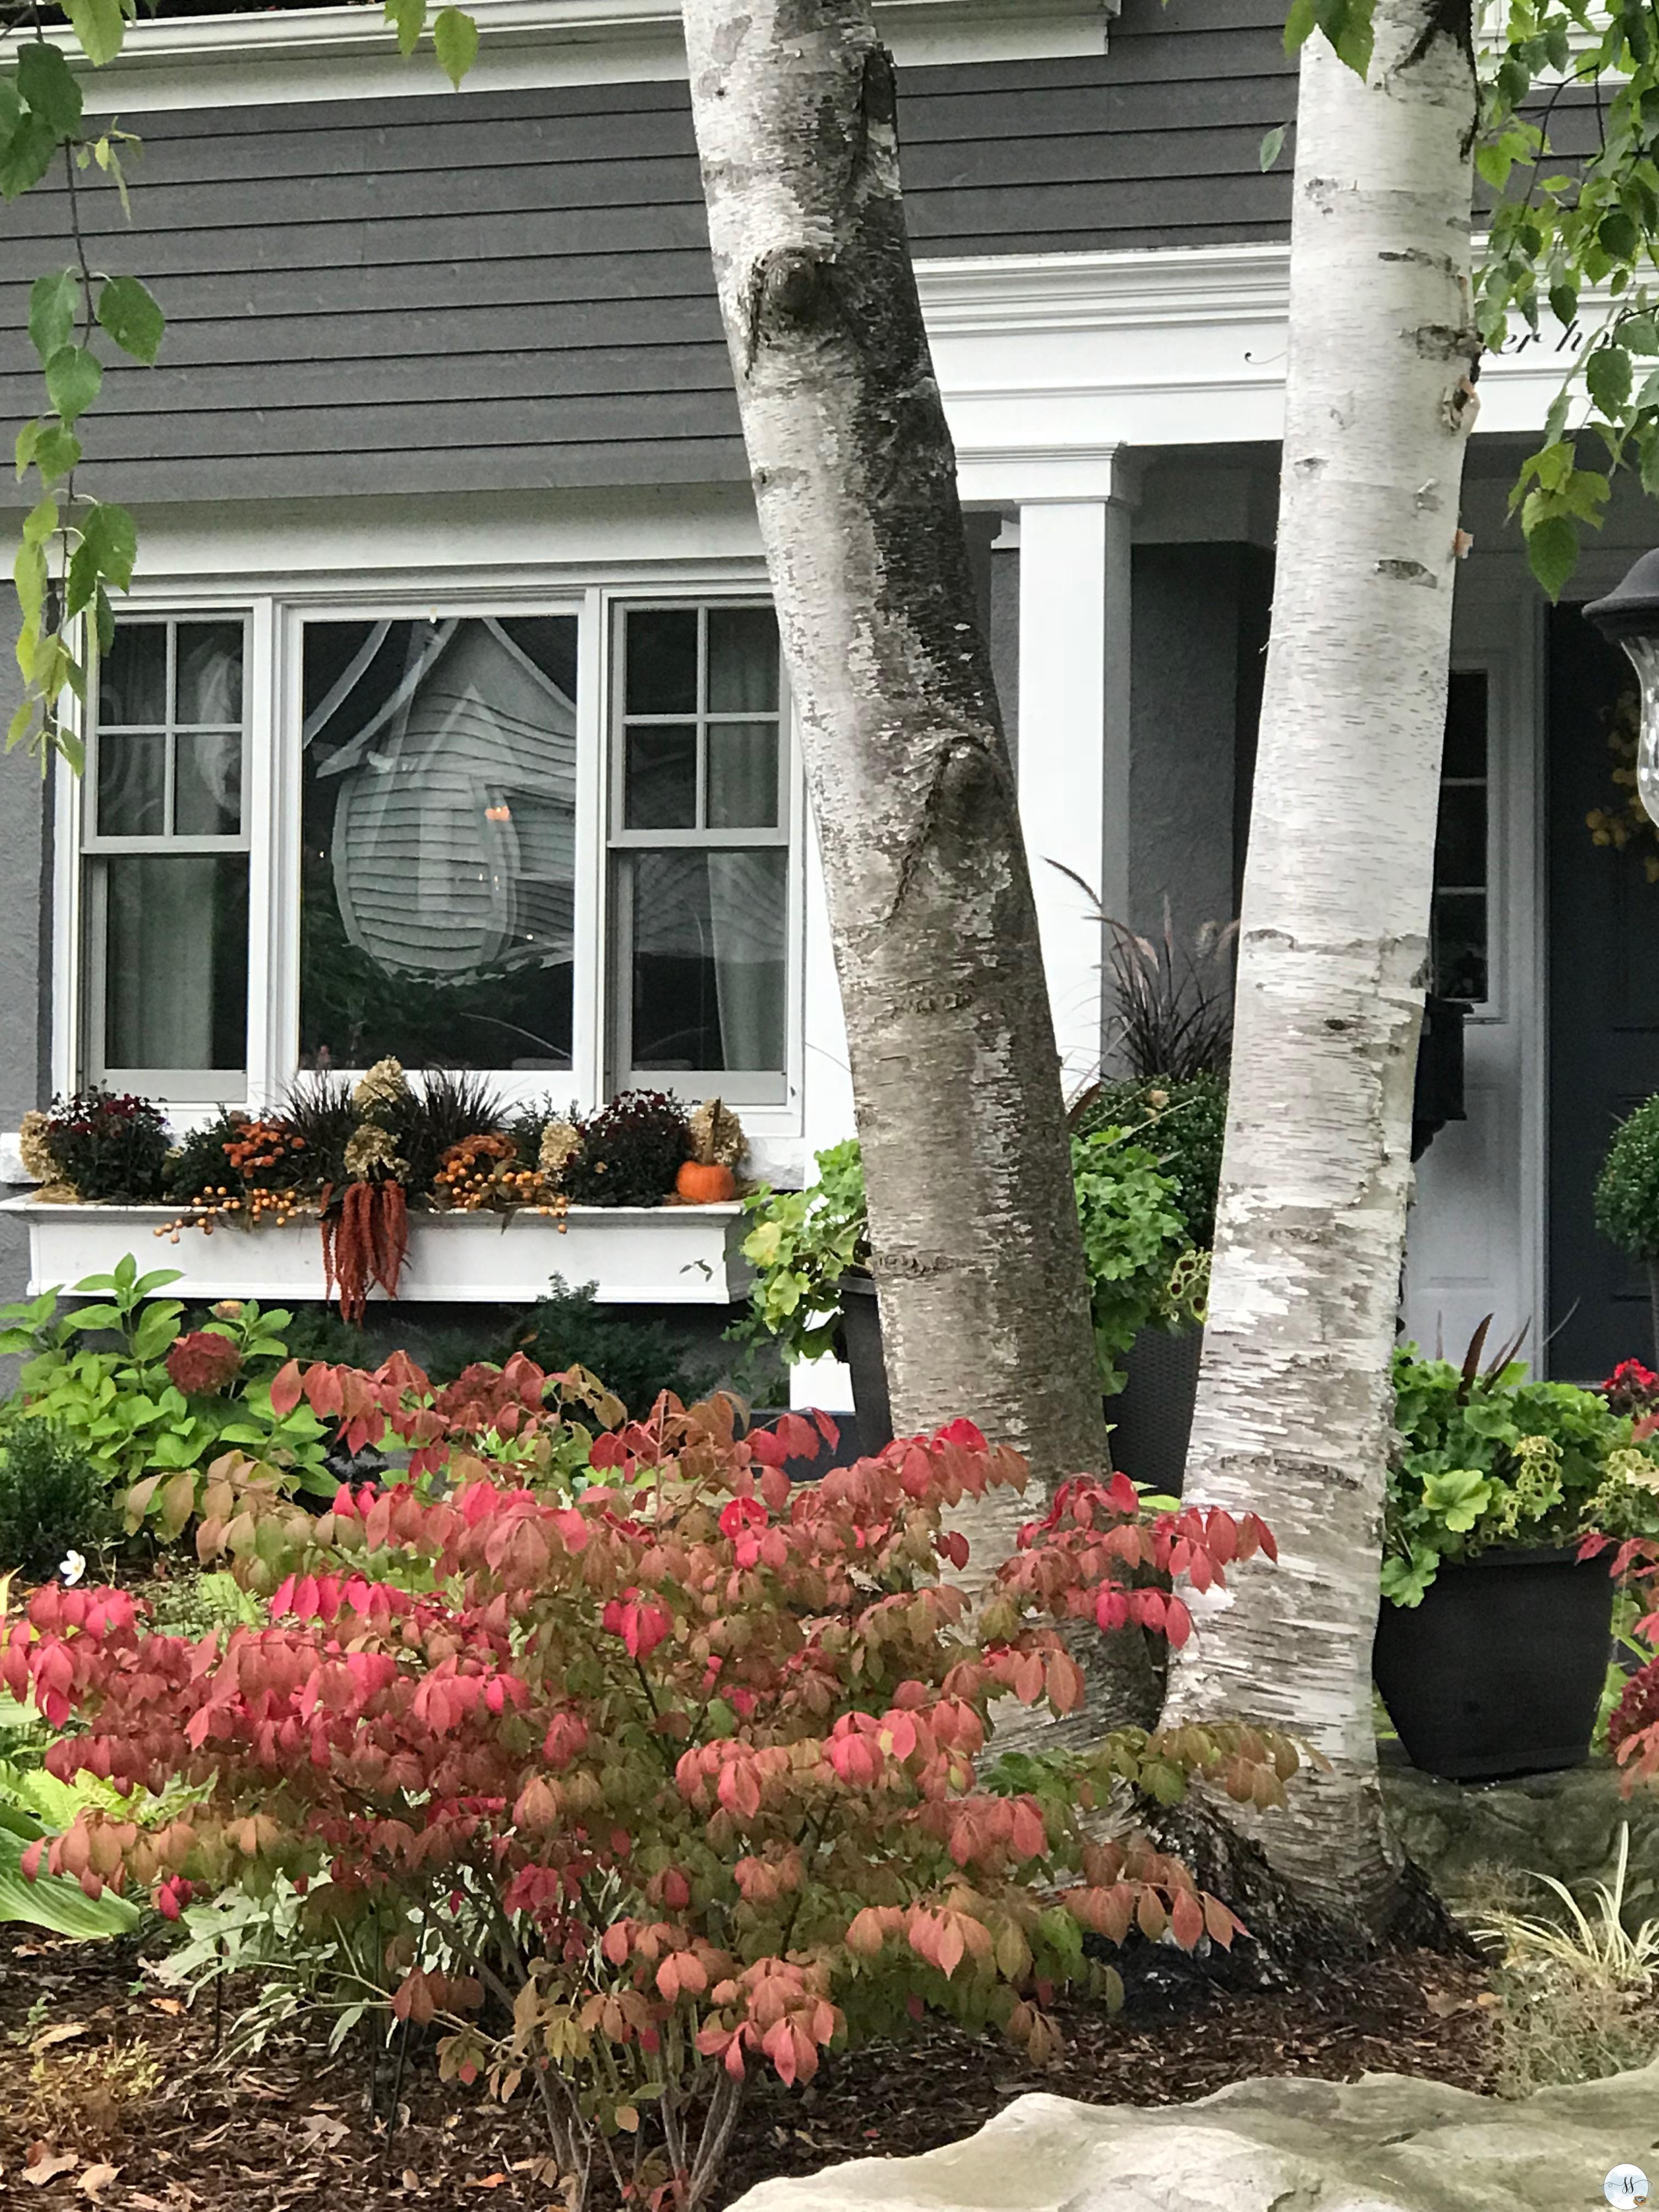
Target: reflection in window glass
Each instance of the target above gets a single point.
(1459, 930)
(437, 896)
(175, 960)
(709, 947)
(167, 876)
(702, 871)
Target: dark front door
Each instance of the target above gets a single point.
(1604, 1005)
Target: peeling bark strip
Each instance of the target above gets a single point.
(1293, 1405)
(979, 1261)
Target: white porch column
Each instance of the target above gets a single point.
(1073, 759)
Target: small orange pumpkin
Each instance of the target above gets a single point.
(706, 1183)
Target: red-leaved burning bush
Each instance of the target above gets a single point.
(682, 1773)
(203, 1361)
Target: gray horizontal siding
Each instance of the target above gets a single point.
(513, 289)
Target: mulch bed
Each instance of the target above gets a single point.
(100, 2068)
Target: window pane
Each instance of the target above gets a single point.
(662, 660)
(207, 783)
(132, 676)
(662, 778)
(175, 960)
(743, 776)
(743, 660)
(709, 955)
(132, 784)
(209, 672)
(1466, 724)
(1460, 945)
(437, 894)
(1459, 844)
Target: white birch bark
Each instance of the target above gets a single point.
(1294, 1402)
(956, 1075)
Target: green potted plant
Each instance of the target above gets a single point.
(1493, 1640)
(813, 1292)
(1627, 1196)
(1182, 1123)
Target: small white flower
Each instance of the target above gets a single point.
(72, 1567)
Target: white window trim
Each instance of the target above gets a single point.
(278, 606)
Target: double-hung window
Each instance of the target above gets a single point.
(700, 850)
(551, 842)
(165, 887)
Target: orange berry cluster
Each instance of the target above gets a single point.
(476, 1173)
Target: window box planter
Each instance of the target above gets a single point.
(636, 1255)
(1498, 1672)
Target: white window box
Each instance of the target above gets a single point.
(635, 1254)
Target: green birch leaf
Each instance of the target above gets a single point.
(52, 302)
(1608, 378)
(127, 310)
(98, 25)
(103, 615)
(40, 523)
(1552, 552)
(27, 438)
(23, 722)
(1300, 25)
(28, 574)
(1272, 147)
(408, 19)
(1640, 333)
(72, 749)
(49, 88)
(108, 549)
(26, 154)
(74, 379)
(56, 452)
(455, 37)
(1564, 304)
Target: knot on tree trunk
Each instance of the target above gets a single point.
(791, 290)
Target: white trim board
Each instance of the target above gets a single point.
(1050, 362)
(349, 52)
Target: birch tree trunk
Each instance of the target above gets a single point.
(978, 1259)
(1294, 1400)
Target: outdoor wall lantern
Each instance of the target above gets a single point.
(1630, 617)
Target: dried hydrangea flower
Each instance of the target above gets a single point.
(385, 1084)
(561, 1141)
(717, 1137)
(373, 1151)
(35, 1145)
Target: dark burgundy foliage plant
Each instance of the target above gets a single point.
(631, 1150)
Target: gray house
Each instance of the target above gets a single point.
(445, 715)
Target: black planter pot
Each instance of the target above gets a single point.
(1499, 1671)
(1152, 1416)
(861, 1333)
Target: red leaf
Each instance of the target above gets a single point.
(285, 1389)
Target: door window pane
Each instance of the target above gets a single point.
(175, 960)
(1458, 932)
(438, 873)
(709, 943)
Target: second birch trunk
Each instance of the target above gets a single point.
(1294, 1400)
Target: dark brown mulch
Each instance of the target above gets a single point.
(289, 2131)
